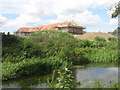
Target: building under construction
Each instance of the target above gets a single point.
(67, 26)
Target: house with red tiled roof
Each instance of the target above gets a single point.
(70, 27)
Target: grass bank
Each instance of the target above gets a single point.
(44, 51)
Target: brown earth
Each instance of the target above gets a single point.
(92, 35)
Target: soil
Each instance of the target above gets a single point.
(92, 35)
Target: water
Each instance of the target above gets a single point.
(29, 82)
(103, 71)
(106, 73)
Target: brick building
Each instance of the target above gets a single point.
(70, 27)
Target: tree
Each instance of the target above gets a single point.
(8, 33)
(116, 11)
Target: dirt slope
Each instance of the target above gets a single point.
(92, 35)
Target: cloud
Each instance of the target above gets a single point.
(84, 18)
(32, 12)
(2, 18)
(113, 21)
(10, 6)
(2, 21)
(22, 21)
(87, 18)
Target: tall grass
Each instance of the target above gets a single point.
(29, 67)
(104, 55)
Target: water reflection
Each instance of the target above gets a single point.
(31, 82)
(102, 72)
(105, 72)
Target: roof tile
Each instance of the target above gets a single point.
(45, 27)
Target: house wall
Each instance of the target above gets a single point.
(71, 30)
(62, 28)
(23, 34)
(75, 30)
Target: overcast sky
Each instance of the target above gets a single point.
(93, 14)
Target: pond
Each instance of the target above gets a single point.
(105, 72)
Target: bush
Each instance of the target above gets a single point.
(11, 44)
(99, 42)
(64, 79)
(100, 39)
(49, 49)
(112, 39)
(104, 55)
(9, 40)
(44, 35)
(29, 67)
(85, 43)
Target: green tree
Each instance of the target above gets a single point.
(116, 11)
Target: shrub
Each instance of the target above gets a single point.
(65, 79)
(112, 39)
(100, 39)
(28, 67)
(85, 43)
(49, 49)
(104, 55)
(9, 40)
(99, 42)
(44, 35)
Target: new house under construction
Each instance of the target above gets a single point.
(67, 26)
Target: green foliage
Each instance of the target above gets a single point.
(50, 49)
(112, 39)
(115, 85)
(10, 40)
(28, 67)
(60, 44)
(99, 42)
(100, 85)
(115, 32)
(45, 35)
(104, 55)
(85, 43)
(65, 79)
(116, 12)
(11, 44)
(100, 39)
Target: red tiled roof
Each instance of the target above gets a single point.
(34, 29)
(50, 26)
(45, 27)
(28, 29)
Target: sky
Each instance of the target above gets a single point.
(95, 15)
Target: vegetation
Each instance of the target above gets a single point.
(116, 11)
(28, 67)
(108, 53)
(99, 84)
(47, 50)
(115, 14)
(65, 79)
(115, 32)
